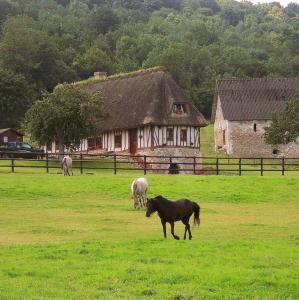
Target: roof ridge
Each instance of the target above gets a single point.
(257, 79)
(121, 75)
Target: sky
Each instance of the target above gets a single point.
(282, 2)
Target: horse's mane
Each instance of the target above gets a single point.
(163, 203)
(161, 199)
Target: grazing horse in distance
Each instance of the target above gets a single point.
(172, 211)
(66, 164)
(139, 189)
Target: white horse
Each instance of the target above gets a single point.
(139, 189)
(67, 163)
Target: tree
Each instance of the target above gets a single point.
(6, 9)
(284, 129)
(94, 59)
(31, 52)
(15, 98)
(104, 19)
(67, 115)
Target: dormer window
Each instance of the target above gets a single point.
(179, 109)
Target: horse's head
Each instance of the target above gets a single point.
(151, 207)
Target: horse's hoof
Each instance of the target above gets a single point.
(190, 238)
(176, 237)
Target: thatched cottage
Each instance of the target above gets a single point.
(148, 113)
(241, 110)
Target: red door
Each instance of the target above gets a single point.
(133, 140)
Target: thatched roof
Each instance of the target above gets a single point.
(143, 98)
(253, 99)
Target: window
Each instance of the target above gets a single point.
(223, 137)
(183, 135)
(179, 109)
(117, 140)
(5, 139)
(90, 143)
(49, 147)
(94, 143)
(169, 134)
(254, 127)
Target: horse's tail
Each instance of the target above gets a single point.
(196, 210)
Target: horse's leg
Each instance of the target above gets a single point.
(145, 197)
(140, 201)
(185, 222)
(185, 231)
(134, 202)
(137, 201)
(189, 231)
(172, 231)
(164, 228)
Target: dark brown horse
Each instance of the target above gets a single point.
(172, 211)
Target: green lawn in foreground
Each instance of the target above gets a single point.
(78, 238)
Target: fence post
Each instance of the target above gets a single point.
(81, 163)
(144, 164)
(217, 166)
(240, 166)
(282, 162)
(194, 165)
(114, 163)
(47, 163)
(12, 165)
(262, 167)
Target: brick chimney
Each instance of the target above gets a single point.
(99, 75)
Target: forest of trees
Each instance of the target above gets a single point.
(46, 42)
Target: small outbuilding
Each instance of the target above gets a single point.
(10, 135)
(242, 108)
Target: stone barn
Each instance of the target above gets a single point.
(242, 108)
(148, 114)
(10, 135)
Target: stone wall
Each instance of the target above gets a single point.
(220, 130)
(164, 164)
(247, 140)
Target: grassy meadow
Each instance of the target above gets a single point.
(78, 238)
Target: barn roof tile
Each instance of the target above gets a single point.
(253, 99)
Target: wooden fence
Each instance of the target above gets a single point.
(88, 163)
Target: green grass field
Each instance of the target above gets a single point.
(79, 238)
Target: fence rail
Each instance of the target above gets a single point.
(86, 163)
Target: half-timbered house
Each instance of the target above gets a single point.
(148, 113)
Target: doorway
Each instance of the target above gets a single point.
(133, 140)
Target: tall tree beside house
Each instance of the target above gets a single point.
(66, 116)
(284, 129)
(15, 98)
